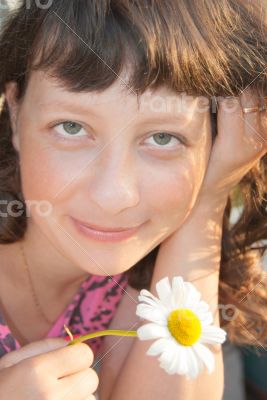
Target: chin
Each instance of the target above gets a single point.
(103, 267)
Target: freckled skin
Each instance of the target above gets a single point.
(111, 179)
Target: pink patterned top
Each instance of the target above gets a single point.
(91, 309)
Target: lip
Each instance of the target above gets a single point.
(102, 229)
(104, 234)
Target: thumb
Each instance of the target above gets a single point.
(31, 350)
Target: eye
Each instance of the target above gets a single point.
(70, 128)
(164, 139)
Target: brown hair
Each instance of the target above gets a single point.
(201, 47)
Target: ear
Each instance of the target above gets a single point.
(10, 96)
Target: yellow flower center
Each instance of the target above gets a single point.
(185, 326)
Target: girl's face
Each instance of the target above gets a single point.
(108, 160)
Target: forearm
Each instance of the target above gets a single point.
(193, 253)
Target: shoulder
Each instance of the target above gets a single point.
(116, 348)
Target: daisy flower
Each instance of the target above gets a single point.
(181, 323)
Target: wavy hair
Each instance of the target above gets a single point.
(201, 47)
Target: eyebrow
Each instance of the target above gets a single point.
(80, 109)
(157, 117)
(171, 118)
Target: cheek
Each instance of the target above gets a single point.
(46, 173)
(170, 194)
(174, 194)
(173, 191)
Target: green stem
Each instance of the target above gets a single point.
(102, 333)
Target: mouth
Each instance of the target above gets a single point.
(106, 229)
(104, 233)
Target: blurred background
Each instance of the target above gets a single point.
(245, 367)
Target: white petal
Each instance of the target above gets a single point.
(173, 359)
(205, 317)
(151, 314)
(181, 360)
(192, 295)
(170, 360)
(195, 365)
(203, 306)
(205, 355)
(178, 291)
(157, 347)
(202, 309)
(171, 368)
(152, 331)
(153, 303)
(148, 300)
(146, 293)
(173, 365)
(212, 334)
(167, 355)
(164, 292)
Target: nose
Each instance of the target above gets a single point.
(115, 184)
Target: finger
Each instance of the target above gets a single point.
(68, 360)
(31, 350)
(78, 386)
(240, 130)
(252, 120)
(230, 130)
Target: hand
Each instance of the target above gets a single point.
(48, 369)
(240, 143)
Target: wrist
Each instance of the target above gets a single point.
(194, 249)
(212, 206)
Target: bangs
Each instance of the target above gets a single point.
(193, 46)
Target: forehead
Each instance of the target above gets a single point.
(45, 91)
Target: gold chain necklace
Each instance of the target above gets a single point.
(33, 292)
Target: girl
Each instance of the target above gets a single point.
(120, 153)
